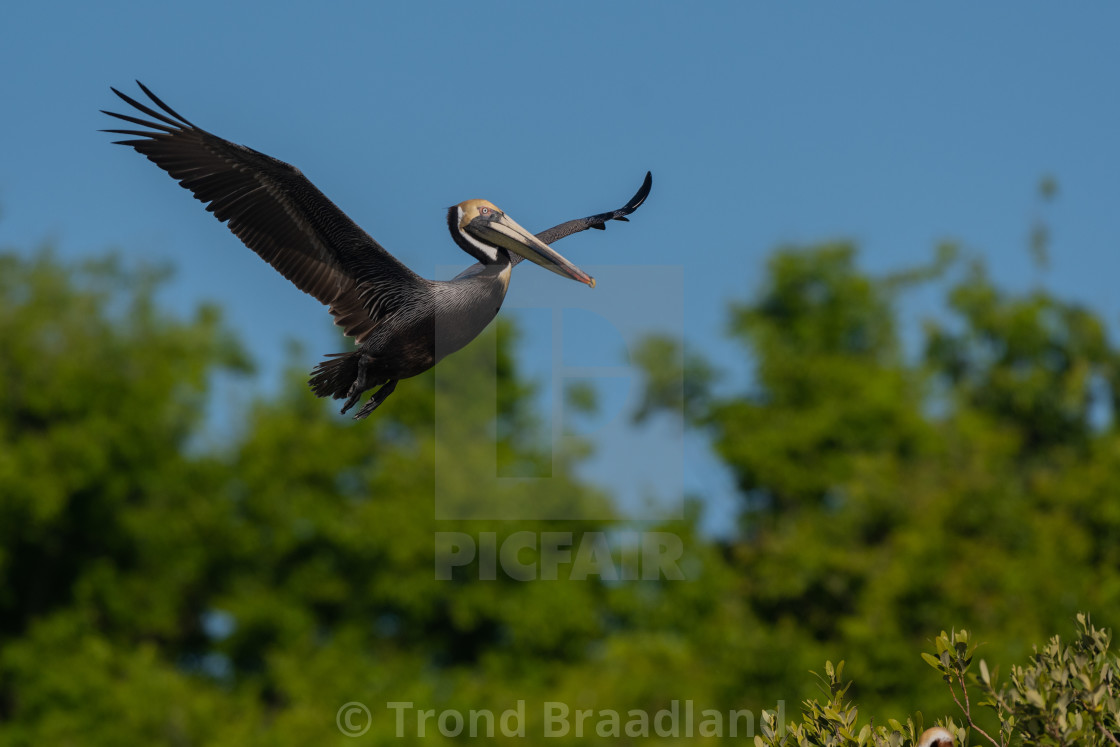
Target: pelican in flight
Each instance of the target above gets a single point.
(401, 323)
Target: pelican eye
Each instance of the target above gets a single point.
(484, 210)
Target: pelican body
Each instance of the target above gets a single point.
(401, 323)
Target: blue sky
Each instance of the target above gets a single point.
(893, 125)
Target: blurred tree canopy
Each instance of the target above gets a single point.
(976, 482)
(157, 588)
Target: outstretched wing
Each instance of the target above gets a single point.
(598, 221)
(279, 214)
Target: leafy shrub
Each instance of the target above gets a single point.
(1066, 694)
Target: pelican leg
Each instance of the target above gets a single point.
(376, 400)
(359, 386)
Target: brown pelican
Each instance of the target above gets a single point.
(402, 324)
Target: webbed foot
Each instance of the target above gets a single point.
(376, 400)
(359, 386)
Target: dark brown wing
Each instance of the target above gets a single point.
(279, 214)
(598, 221)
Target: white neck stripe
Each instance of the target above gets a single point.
(486, 249)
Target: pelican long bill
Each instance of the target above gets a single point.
(499, 229)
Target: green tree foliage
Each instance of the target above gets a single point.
(883, 493)
(160, 586)
(156, 590)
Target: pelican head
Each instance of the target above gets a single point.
(486, 233)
